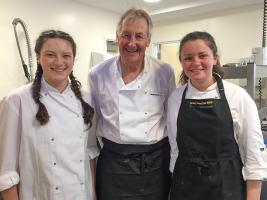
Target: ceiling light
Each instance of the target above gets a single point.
(151, 1)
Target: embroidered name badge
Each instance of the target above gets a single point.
(202, 104)
(156, 93)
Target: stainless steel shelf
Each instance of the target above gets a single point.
(249, 72)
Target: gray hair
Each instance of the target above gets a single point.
(134, 13)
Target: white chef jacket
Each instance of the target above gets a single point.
(247, 129)
(134, 113)
(50, 162)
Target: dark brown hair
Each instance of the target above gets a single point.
(42, 115)
(209, 40)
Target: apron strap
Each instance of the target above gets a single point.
(219, 85)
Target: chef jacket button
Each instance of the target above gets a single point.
(145, 113)
(81, 160)
(145, 132)
(52, 139)
(78, 115)
(81, 183)
(56, 188)
(45, 94)
(120, 113)
(55, 163)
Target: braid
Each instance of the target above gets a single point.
(42, 114)
(88, 111)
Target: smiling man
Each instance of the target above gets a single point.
(130, 93)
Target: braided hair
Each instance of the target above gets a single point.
(42, 114)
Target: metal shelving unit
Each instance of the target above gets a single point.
(250, 72)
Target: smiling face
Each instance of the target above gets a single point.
(133, 41)
(198, 60)
(56, 59)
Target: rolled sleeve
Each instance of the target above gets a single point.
(93, 153)
(8, 180)
(92, 148)
(255, 173)
(9, 143)
(255, 165)
(250, 140)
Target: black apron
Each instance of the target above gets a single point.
(133, 172)
(209, 166)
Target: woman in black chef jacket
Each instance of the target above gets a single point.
(217, 149)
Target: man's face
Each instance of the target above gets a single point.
(132, 41)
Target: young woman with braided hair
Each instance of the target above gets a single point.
(47, 150)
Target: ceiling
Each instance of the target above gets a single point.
(171, 9)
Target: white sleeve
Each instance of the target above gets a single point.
(249, 138)
(92, 139)
(10, 127)
(93, 150)
(8, 180)
(172, 81)
(172, 114)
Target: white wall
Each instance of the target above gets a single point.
(87, 25)
(236, 31)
